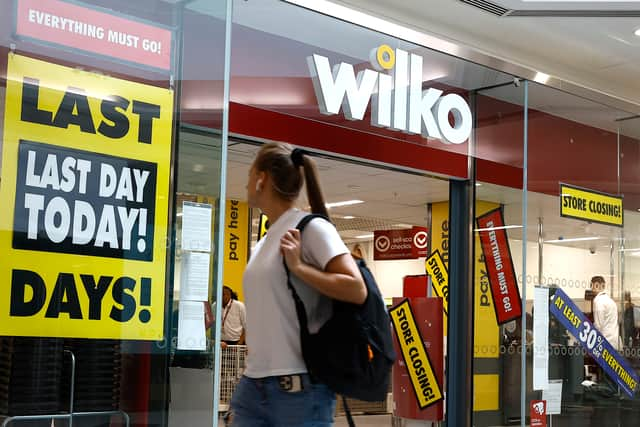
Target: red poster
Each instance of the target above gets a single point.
(502, 275)
(84, 28)
(538, 413)
(420, 242)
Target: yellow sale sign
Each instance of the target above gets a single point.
(591, 205)
(84, 196)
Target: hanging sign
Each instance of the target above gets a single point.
(439, 279)
(612, 363)
(423, 377)
(84, 196)
(591, 205)
(501, 273)
(410, 243)
(72, 25)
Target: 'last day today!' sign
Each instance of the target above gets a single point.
(84, 196)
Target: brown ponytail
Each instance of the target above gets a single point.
(314, 192)
(283, 165)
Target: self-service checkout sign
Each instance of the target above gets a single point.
(408, 243)
(592, 340)
(415, 356)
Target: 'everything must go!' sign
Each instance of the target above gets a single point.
(84, 191)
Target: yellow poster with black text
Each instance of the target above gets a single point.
(415, 356)
(84, 196)
(236, 244)
(440, 244)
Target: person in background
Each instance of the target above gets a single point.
(234, 319)
(605, 312)
(276, 389)
(628, 321)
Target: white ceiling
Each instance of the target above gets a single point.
(599, 53)
(392, 199)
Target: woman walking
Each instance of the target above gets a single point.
(275, 389)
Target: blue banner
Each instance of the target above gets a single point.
(611, 362)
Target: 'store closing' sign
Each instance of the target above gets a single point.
(84, 191)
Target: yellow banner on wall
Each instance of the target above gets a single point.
(236, 244)
(591, 205)
(84, 196)
(423, 378)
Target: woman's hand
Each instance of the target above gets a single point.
(291, 248)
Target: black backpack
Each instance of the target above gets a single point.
(352, 353)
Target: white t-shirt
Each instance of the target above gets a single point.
(605, 318)
(233, 321)
(273, 331)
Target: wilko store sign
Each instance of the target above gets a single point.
(502, 275)
(400, 244)
(87, 29)
(395, 91)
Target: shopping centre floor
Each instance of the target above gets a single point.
(365, 421)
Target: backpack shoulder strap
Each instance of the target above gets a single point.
(307, 219)
(300, 310)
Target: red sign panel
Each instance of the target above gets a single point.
(502, 275)
(409, 243)
(538, 413)
(414, 286)
(79, 27)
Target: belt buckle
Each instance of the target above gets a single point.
(290, 383)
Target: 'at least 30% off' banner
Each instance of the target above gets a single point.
(611, 362)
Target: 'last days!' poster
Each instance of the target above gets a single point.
(84, 196)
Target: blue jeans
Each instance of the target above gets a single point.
(263, 403)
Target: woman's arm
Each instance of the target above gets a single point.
(340, 280)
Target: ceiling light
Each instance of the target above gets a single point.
(637, 32)
(365, 236)
(348, 217)
(541, 78)
(502, 227)
(344, 203)
(575, 239)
